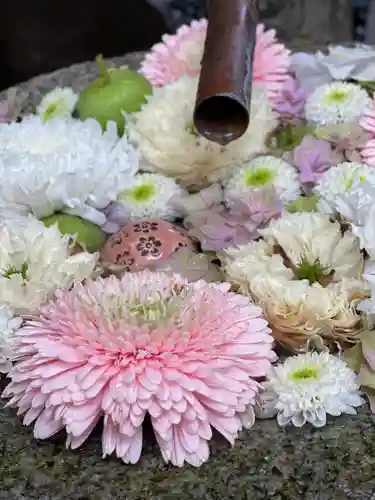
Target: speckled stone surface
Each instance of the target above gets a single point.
(267, 463)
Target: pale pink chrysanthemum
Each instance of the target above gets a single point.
(367, 122)
(181, 54)
(185, 354)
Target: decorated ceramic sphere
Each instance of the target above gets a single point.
(144, 243)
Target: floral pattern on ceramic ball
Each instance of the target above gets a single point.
(141, 244)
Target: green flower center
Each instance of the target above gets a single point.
(311, 272)
(14, 270)
(50, 112)
(349, 185)
(337, 96)
(307, 373)
(259, 177)
(143, 193)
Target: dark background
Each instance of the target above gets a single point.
(39, 36)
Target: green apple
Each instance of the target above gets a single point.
(114, 92)
(89, 235)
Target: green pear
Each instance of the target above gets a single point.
(114, 92)
(89, 235)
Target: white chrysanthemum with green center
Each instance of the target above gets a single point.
(147, 197)
(262, 171)
(335, 103)
(58, 102)
(308, 387)
(35, 262)
(338, 180)
(306, 275)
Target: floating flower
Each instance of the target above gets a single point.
(262, 171)
(63, 165)
(58, 102)
(312, 157)
(8, 325)
(291, 102)
(307, 277)
(338, 180)
(147, 197)
(347, 140)
(148, 344)
(181, 55)
(35, 261)
(341, 63)
(163, 130)
(238, 225)
(357, 206)
(337, 102)
(308, 387)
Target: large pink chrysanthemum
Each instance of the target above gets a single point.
(367, 122)
(146, 344)
(181, 54)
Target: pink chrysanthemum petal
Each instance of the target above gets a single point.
(181, 54)
(148, 344)
(367, 122)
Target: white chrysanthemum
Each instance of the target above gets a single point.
(262, 171)
(8, 325)
(306, 275)
(35, 261)
(357, 206)
(164, 132)
(63, 164)
(147, 197)
(338, 180)
(308, 387)
(58, 102)
(337, 102)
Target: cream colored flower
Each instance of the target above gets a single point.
(306, 276)
(164, 132)
(35, 262)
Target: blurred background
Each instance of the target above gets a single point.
(40, 36)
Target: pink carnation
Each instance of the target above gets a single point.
(181, 54)
(148, 344)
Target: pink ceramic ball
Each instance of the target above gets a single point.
(142, 243)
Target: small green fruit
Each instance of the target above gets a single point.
(114, 92)
(89, 235)
(303, 204)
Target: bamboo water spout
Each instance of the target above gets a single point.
(222, 111)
